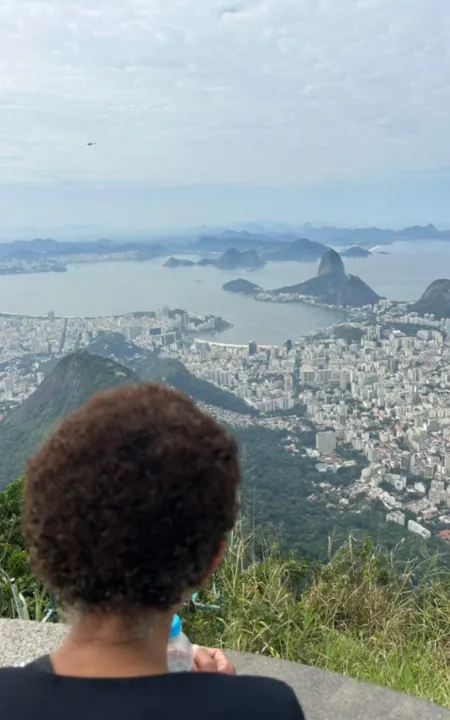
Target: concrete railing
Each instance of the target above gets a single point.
(323, 695)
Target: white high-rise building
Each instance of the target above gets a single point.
(417, 529)
(397, 517)
(447, 462)
(326, 442)
(8, 384)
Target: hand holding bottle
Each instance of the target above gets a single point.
(212, 660)
(182, 656)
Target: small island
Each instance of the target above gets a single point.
(174, 262)
(242, 286)
(356, 252)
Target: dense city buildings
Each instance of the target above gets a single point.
(375, 391)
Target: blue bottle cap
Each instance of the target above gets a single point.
(175, 629)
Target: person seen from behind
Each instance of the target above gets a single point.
(126, 511)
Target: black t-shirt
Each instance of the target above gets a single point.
(34, 693)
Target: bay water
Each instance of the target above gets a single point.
(114, 288)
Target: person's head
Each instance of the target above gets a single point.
(127, 505)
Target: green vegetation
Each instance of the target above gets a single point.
(364, 613)
(376, 614)
(281, 493)
(173, 372)
(357, 615)
(21, 595)
(351, 333)
(282, 490)
(71, 383)
(150, 367)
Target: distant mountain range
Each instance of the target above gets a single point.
(231, 259)
(373, 235)
(270, 240)
(332, 286)
(266, 232)
(71, 381)
(241, 239)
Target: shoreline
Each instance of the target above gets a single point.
(302, 301)
(138, 313)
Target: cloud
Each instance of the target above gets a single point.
(258, 92)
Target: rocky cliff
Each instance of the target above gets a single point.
(331, 264)
(435, 300)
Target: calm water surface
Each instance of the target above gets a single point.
(120, 287)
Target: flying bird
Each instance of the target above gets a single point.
(90, 144)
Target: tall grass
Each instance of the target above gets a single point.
(33, 603)
(358, 615)
(362, 614)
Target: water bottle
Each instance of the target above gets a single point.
(180, 654)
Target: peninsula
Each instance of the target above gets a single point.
(332, 286)
(31, 268)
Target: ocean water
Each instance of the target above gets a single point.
(114, 288)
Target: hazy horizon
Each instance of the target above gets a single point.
(117, 209)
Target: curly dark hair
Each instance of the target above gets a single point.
(128, 502)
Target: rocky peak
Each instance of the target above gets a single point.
(331, 264)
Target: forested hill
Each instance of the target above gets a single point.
(70, 384)
(150, 367)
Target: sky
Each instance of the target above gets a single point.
(217, 111)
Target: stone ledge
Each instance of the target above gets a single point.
(323, 695)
